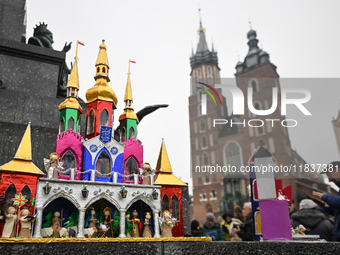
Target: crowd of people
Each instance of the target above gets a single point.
(319, 220)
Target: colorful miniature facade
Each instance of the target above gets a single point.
(20, 176)
(97, 186)
(171, 190)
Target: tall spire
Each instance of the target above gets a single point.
(202, 45)
(128, 110)
(24, 151)
(22, 161)
(163, 162)
(128, 91)
(163, 173)
(101, 90)
(72, 88)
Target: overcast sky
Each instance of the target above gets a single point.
(302, 38)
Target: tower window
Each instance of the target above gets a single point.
(199, 73)
(175, 207)
(90, 122)
(254, 86)
(26, 191)
(123, 135)
(103, 69)
(199, 178)
(165, 203)
(70, 123)
(233, 155)
(131, 132)
(104, 118)
(69, 160)
(209, 70)
(260, 127)
(213, 193)
(202, 126)
(207, 178)
(209, 209)
(98, 69)
(205, 159)
(62, 125)
(204, 143)
(103, 164)
(131, 167)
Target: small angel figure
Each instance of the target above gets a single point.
(10, 225)
(167, 222)
(52, 166)
(146, 173)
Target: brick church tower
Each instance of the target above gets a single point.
(225, 145)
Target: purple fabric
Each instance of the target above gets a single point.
(275, 221)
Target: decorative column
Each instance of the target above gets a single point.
(93, 175)
(72, 173)
(115, 176)
(38, 223)
(81, 222)
(122, 223)
(151, 179)
(156, 222)
(135, 178)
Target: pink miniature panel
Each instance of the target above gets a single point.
(135, 150)
(70, 141)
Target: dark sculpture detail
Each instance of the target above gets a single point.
(43, 37)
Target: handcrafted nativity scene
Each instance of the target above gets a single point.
(94, 186)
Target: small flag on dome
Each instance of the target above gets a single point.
(132, 61)
(81, 43)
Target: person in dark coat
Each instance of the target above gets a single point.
(246, 230)
(333, 201)
(291, 208)
(212, 228)
(313, 220)
(196, 230)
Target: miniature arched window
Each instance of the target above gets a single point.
(62, 125)
(202, 126)
(209, 209)
(131, 167)
(70, 123)
(69, 160)
(205, 159)
(10, 193)
(123, 135)
(204, 142)
(98, 69)
(131, 132)
(233, 155)
(90, 122)
(26, 191)
(104, 118)
(103, 164)
(175, 207)
(165, 203)
(103, 69)
(254, 86)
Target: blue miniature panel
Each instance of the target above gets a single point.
(105, 134)
(114, 150)
(93, 148)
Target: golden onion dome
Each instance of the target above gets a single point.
(102, 91)
(71, 102)
(128, 114)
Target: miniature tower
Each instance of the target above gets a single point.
(171, 190)
(101, 99)
(70, 109)
(128, 119)
(20, 175)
